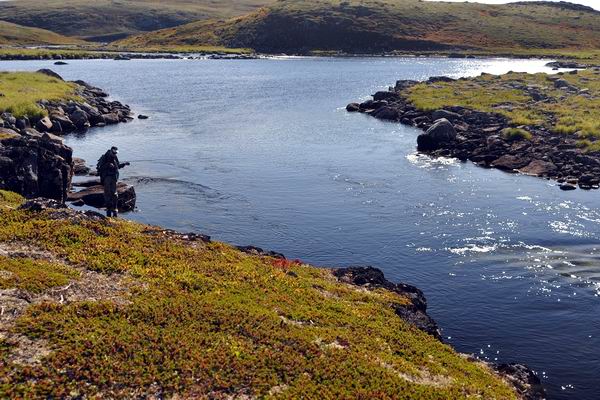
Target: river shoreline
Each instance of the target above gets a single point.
(489, 138)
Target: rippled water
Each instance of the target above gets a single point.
(262, 152)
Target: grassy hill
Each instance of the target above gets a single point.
(105, 20)
(98, 308)
(385, 25)
(20, 35)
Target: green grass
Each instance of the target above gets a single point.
(208, 321)
(21, 91)
(49, 53)
(575, 113)
(516, 134)
(33, 276)
(373, 26)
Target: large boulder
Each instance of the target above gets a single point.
(51, 73)
(539, 168)
(386, 113)
(62, 121)
(80, 167)
(111, 118)
(352, 107)
(441, 132)
(36, 166)
(44, 125)
(94, 196)
(80, 119)
(510, 162)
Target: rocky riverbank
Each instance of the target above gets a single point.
(541, 125)
(33, 159)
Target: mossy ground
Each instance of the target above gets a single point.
(21, 92)
(575, 112)
(210, 321)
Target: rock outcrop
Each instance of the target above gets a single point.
(439, 134)
(94, 196)
(36, 165)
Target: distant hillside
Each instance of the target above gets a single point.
(106, 20)
(384, 25)
(20, 35)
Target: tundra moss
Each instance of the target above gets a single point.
(33, 276)
(21, 92)
(208, 321)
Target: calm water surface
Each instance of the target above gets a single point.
(262, 152)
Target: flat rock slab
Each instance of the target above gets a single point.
(94, 196)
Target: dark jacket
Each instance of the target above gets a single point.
(109, 165)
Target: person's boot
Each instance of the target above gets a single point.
(115, 213)
(108, 213)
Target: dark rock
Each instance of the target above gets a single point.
(40, 204)
(111, 118)
(449, 115)
(524, 380)
(142, 116)
(442, 131)
(51, 73)
(589, 180)
(23, 123)
(383, 95)
(567, 186)
(539, 168)
(257, 251)
(434, 79)
(44, 125)
(36, 166)
(353, 107)
(94, 196)
(80, 119)
(61, 63)
(372, 278)
(64, 122)
(92, 90)
(509, 162)
(563, 84)
(386, 113)
(79, 166)
(87, 183)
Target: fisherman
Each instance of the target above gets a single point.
(108, 169)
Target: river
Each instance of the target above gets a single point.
(263, 152)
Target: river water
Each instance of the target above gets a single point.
(263, 152)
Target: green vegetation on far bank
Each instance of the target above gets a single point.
(567, 103)
(169, 317)
(20, 92)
